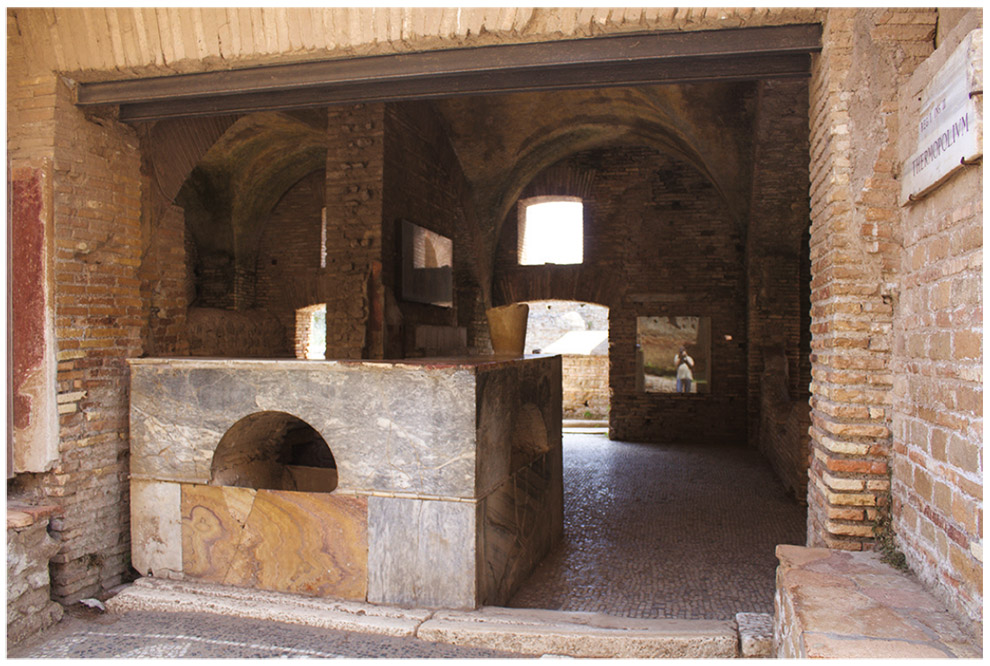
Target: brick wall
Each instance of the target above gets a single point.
(214, 332)
(98, 319)
(692, 267)
(938, 368)
(424, 184)
(164, 282)
(289, 274)
(584, 382)
(30, 128)
(854, 211)
(779, 359)
(784, 424)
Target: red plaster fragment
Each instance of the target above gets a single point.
(27, 289)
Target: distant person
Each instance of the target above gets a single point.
(685, 370)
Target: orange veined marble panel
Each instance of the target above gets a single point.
(306, 543)
(213, 519)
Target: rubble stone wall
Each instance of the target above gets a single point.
(29, 605)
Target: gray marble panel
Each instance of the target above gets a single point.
(390, 428)
(422, 553)
(497, 399)
(522, 521)
(519, 417)
(409, 430)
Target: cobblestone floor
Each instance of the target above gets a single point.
(665, 531)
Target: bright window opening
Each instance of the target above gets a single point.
(551, 231)
(311, 332)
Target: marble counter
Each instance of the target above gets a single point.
(449, 473)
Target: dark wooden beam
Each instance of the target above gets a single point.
(638, 59)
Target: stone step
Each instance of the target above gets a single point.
(157, 594)
(576, 634)
(583, 423)
(527, 631)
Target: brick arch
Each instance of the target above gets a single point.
(174, 147)
(558, 283)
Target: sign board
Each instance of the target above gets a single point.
(950, 125)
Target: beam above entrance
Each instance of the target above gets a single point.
(635, 59)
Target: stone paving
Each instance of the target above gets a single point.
(166, 635)
(665, 531)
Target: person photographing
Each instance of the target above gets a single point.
(685, 370)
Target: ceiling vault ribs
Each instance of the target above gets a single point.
(634, 59)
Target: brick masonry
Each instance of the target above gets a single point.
(424, 184)
(854, 264)
(585, 386)
(288, 271)
(355, 160)
(937, 366)
(695, 269)
(778, 312)
(96, 208)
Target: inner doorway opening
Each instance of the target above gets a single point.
(579, 333)
(311, 332)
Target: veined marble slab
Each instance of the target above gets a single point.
(306, 543)
(156, 528)
(391, 428)
(422, 553)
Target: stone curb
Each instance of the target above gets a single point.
(562, 633)
(150, 594)
(529, 631)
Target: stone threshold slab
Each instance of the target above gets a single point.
(577, 634)
(157, 594)
(527, 631)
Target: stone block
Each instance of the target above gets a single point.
(29, 605)
(421, 421)
(305, 543)
(549, 632)
(521, 524)
(755, 635)
(840, 604)
(422, 553)
(156, 528)
(420, 447)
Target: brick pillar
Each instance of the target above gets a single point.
(98, 319)
(855, 251)
(355, 163)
